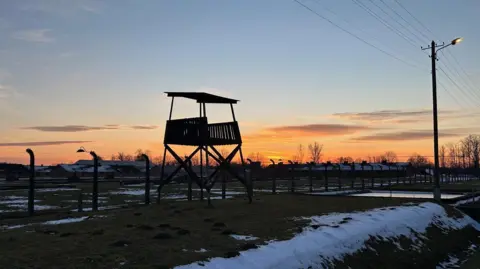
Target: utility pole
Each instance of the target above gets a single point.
(436, 175)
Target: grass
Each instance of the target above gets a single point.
(67, 200)
(165, 235)
(462, 186)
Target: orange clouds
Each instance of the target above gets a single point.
(293, 132)
(84, 128)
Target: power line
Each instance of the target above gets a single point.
(450, 94)
(385, 23)
(449, 64)
(400, 16)
(357, 37)
(415, 18)
(359, 29)
(454, 83)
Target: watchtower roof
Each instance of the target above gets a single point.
(203, 97)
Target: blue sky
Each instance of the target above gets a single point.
(94, 63)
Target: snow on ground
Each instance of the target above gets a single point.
(15, 202)
(56, 189)
(129, 192)
(50, 222)
(198, 251)
(335, 192)
(228, 192)
(64, 221)
(85, 209)
(466, 201)
(244, 237)
(340, 234)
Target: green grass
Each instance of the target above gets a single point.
(161, 236)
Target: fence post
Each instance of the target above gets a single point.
(189, 180)
(363, 176)
(381, 176)
(80, 202)
(292, 176)
(353, 177)
(326, 176)
(339, 178)
(274, 177)
(224, 184)
(147, 179)
(31, 187)
(310, 177)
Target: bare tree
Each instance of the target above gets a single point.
(418, 160)
(256, 157)
(300, 153)
(453, 155)
(442, 154)
(139, 154)
(389, 157)
(344, 159)
(315, 151)
(470, 148)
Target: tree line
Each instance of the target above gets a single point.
(462, 154)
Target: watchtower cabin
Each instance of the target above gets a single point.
(205, 137)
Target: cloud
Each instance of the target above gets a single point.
(34, 35)
(63, 8)
(410, 135)
(399, 116)
(85, 128)
(4, 24)
(70, 128)
(144, 127)
(7, 91)
(42, 143)
(4, 74)
(320, 129)
(292, 132)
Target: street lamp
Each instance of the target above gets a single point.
(95, 177)
(434, 50)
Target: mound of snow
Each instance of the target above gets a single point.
(338, 235)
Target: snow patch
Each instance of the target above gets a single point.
(346, 237)
(64, 221)
(451, 262)
(56, 189)
(244, 237)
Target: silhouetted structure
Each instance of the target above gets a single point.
(204, 136)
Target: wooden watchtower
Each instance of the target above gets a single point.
(204, 137)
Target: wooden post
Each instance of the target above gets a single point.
(31, 186)
(80, 202)
(353, 176)
(339, 178)
(310, 180)
(326, 177)
(224, 184)
(147, 179)
(292, 177)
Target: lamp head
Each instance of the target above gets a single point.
(80, 150)
(457, 40)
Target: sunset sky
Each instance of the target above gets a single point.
(93, 74)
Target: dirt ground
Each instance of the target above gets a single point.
(165, 235)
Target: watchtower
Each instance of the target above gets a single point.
(204, 137)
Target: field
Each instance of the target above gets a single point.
(161, 236)
(52, 197)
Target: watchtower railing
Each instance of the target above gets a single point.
(224, 133)
(189, 131)
(197, 131)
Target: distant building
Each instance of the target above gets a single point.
(13, 171)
